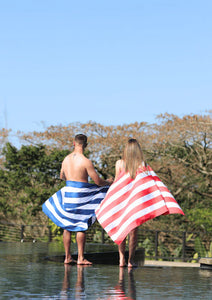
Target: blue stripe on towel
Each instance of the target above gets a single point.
(74, 210)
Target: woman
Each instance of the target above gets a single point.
(133, 160)
(136, 196)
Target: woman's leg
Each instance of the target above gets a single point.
(121, 248)
(133, 235)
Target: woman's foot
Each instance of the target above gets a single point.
(132, 265)
(122, 262)
(123, 266)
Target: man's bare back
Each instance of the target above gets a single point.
(76, 167)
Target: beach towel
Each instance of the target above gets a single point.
(131, 202)
(73, 206)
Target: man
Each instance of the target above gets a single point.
(73, 207)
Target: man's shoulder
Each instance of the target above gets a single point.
(87, 160)
(66, 159)
(67, 156)
(80, 158)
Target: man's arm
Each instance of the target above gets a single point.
(93, 174)
(62, 173)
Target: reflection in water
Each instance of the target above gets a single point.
(120, 287)
(78, 293)
(79, 287)
(26, 274)
(206, 273)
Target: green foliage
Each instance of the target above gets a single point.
(195, 258)
(201, 217)
(57, 233)
(30, 176)
(201, 250)
(178, 250)
(97, 237)
(163, 250)
(148, 246)
(199, 247)
(178, 149)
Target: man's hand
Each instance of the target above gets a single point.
(110, 180)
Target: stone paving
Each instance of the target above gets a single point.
(158, 263)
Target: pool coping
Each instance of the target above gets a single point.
(158, 263)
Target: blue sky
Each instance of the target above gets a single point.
(109, 61)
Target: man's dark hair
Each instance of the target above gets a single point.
(81, 139)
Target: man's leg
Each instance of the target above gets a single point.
(81, 247)
(121, 248)
(133, 235)
(67, 244)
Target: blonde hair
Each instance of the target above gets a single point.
(133, 157)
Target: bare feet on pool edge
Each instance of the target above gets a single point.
(122, 265)
(70, 261)
(84, 262)
(132, 265)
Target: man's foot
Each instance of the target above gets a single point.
(70, 261)
(84, 262)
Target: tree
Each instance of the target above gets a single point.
(4, 133)
(178, 149)
(105, 143)
(183, 152)
(30, 176)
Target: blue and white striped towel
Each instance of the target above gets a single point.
(73, 207)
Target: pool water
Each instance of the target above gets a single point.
(26, 274)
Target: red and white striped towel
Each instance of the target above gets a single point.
(131, 202)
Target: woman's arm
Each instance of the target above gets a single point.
(119, 168)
